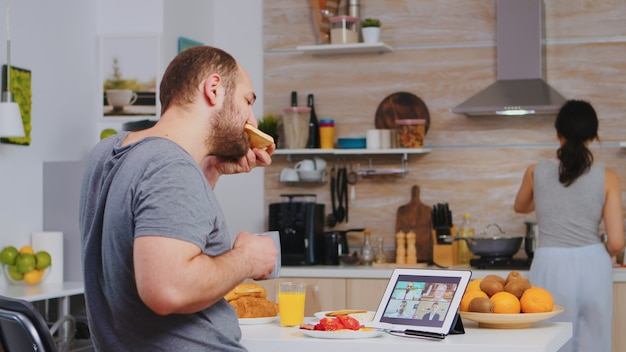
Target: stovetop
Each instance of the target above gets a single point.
(500, 263)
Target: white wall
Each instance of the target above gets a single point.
(58, 40)
(238, 30)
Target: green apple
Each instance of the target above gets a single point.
(8, 255)
(43, 260)
(107, 132)
(15, 274)
(25, 262)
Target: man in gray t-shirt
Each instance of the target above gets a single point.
(156, 251)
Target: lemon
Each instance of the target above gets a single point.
(8, 255)
(27, 249)
(34, 276)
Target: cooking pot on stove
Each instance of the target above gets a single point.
(494, 245)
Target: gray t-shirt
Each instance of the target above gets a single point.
(149, 188)
(568, 216)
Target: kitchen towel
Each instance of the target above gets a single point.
(51, 242)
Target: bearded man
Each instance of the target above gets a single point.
(157, 255)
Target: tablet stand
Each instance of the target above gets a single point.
(457, 326)
(456, 329)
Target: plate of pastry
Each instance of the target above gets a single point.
(255, 321)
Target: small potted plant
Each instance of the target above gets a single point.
(269, 125)
(370, 28)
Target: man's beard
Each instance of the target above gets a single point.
(227, 139)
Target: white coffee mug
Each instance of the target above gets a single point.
(119, 98)
(320, 164)
(275, 235)
(305, 165)
(289, 175)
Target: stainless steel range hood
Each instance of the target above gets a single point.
(520, 88)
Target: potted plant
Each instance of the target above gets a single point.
(370, 28)
(269, 125)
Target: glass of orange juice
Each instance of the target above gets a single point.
(291, 302)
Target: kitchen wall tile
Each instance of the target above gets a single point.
(444, 53)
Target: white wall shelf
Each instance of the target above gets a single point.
(321, 152)
(342, 49)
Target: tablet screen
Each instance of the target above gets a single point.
(422, 299)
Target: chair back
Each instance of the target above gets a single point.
(22, 328)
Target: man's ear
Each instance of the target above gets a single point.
(213, 89)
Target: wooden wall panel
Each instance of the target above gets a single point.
(444, 53)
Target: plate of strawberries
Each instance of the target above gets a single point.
(339, 327)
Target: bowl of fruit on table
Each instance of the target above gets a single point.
(25, 267)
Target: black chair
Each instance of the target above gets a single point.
(22, 328)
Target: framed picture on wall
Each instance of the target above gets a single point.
(186, 43)
(129, 72)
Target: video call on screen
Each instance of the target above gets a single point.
(426, 299)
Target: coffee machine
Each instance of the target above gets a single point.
(300, 222)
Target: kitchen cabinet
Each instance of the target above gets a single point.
(364, 293)
(343, 49)
(619, 317)
(321, 293)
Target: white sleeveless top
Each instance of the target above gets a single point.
(568, 216)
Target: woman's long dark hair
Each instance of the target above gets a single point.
(576, 123)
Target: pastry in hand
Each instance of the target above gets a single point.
(258, 138)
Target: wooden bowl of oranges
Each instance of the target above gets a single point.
(511, 302)
(25, 267)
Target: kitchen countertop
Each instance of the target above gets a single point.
(540, 337)
(368, 272)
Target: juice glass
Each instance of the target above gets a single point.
(291, 302)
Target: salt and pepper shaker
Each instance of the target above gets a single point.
(411, 250)
(400, 248)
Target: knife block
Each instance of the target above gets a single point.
(446, 254)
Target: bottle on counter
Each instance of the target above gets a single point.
(380, 257)
(367, 252)
(294, 98)
(465, 230)
(314, 126)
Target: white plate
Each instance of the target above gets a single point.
(342, 334)
(254, 321)
(509, 321)
(361, 317)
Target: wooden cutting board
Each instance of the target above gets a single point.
(416, 216)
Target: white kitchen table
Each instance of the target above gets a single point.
(544, 337)
(45, 291)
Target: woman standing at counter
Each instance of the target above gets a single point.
(571, 197)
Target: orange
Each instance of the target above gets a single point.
(473, 285)
(505, 303)
(468, 297)
(537, 300)
(34, 276)
(27, 249)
